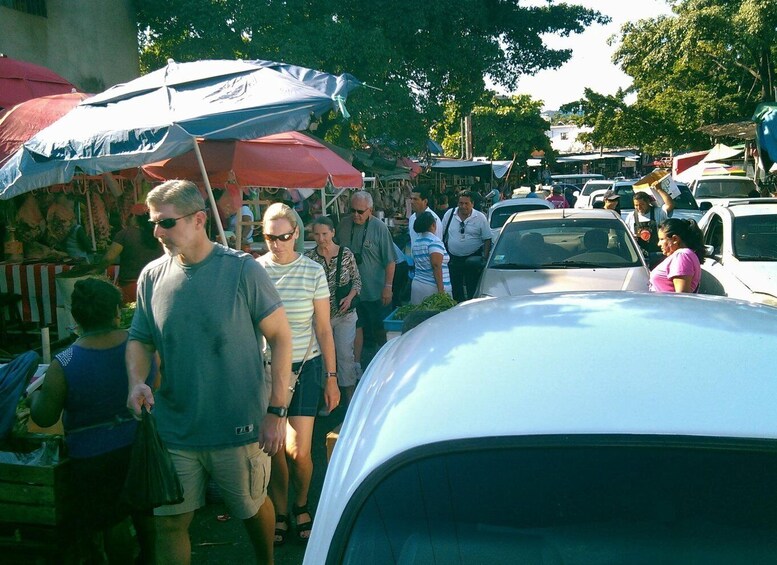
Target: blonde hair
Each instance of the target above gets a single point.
(280, 211)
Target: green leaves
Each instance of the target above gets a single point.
(424, 56)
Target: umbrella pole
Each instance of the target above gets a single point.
(211, 199)
(89, 212)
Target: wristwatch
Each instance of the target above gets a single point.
(279, 411)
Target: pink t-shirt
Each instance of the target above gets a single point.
(682, 262)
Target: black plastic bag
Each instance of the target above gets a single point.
(151, 477)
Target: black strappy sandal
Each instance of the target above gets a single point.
(280, 534)
(304, 526)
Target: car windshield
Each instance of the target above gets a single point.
(595, 185)
(725, 188)
(500, 214)
(578, 501)
(564, 243)
(755, 238)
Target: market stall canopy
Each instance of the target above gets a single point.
(704, 169)
(682, 162)
(722, 152)
(283, 160)
(23, 121)
(626, 155)
(159, 115)
(20, 81)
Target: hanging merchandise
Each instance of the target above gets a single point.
(13, 248)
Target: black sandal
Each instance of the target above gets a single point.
(280, 534)
(304, 526)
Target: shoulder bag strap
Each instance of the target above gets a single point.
(339, 264)
(447, 227)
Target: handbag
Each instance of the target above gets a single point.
(341, 291)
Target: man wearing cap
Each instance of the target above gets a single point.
(557, 197)
(612, 201)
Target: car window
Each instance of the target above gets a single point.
(725, 188)
(577, 501)
(499, 215)
(564, 243)
(594, 185)
(714, 234)
(685, 201)
(755, 238)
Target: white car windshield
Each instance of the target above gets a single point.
(725, 188)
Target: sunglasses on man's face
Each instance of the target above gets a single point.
(282, 237)
(355, 211)
(169, 223)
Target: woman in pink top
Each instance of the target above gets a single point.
(683, 244)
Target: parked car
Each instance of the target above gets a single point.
(560, 250)
(501, 211)
(580, 428)
(584, 198)
(743, 238)
(711, 190)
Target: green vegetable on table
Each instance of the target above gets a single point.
(434, 303)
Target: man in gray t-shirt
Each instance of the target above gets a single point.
(205, 309)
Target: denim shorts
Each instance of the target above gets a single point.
(309, 388)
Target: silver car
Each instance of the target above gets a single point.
(581, 428)
(562, 250)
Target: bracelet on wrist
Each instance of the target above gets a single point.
(388, 285)
(331, 374)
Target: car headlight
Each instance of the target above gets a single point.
(763, 298)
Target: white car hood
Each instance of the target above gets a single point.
(758, 276)
(498, 282)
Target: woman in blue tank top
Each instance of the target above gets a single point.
(87, 385)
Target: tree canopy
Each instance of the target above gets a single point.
(503, 126)
(712, 61)
(423, 56)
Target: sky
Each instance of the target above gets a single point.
(591, 63)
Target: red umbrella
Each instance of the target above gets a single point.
(284, 160)
(21, 122)
(20, 81)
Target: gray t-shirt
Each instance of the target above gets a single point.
(372, 242)
(203, 320)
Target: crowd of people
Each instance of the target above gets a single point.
(214, 326)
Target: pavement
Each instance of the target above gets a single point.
(217, 542)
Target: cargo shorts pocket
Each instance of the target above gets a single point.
(259, 476)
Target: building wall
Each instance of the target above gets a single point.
(91, 43)
(563, 138)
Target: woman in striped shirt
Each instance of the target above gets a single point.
(302, 285)
(430, 260)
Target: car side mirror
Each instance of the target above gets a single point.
(709, 250)
(704, 206)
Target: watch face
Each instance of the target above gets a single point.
(279, 411)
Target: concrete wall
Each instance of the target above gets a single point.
(91, 43)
